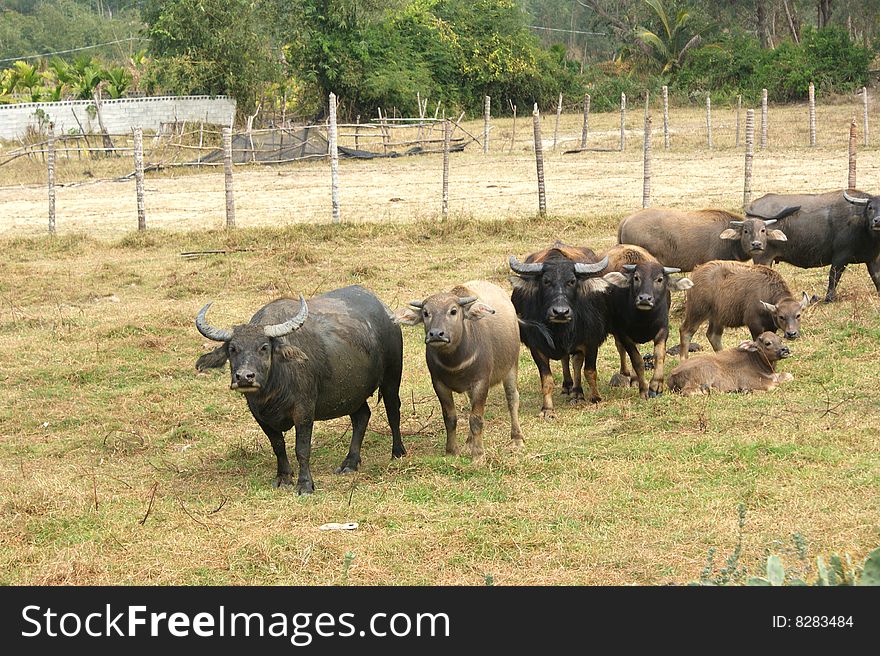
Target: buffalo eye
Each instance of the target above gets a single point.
(264, 348)
(570, 283)
(232, 349)
(453, 312)
(425, 314)
(660, 280)
(798, 315)
(548, 282)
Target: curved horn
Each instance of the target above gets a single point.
(524, 269)
(855, 201)
(629, 267)
(466, 300)
(416, 304)
(583, 267)
(216, 334)
(282, 329)
(770, 221)
(736, 223)
(671, 270)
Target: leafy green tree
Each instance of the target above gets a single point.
(669, 45)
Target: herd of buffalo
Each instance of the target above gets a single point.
(297, 361)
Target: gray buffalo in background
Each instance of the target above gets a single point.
(685, 239)
(836, 228)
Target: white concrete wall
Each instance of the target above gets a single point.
(119, 115)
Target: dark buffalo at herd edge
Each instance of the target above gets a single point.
(836, 228)
(560, 301)
(297, 363)
(639, 303)
(686, 239)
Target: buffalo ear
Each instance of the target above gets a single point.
(805, 301)
(408, 316)
(776, 235)
(748, 345)
(213, 359)
(617, 279)
(291, 353)
(680, 284)
(477, 310)
(730, 233)
(768, 306)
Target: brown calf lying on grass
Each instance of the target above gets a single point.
(732, 294)
(472, 344)
(751, 366)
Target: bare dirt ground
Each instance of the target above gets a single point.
(500, 184)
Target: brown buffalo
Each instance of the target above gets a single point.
(751, 366)
(472, 343)
(686, 239)
(733, 294)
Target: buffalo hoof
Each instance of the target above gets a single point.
(516, 443)
(547, 413)
(577, 400)
(473, 451)
(595, 398)
(282, 480)
(398, 452)
(619, 380)
(346, 468)
(653, 394)
(566, 389)
(693, 347)
(305, 487)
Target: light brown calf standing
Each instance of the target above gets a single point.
(472, 344)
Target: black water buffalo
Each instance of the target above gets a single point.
(562, 307)
(639, 312)
(685, 239)
(296, 363)
(837, 228)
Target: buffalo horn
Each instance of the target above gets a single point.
(525, 269)
(282, 329)
(671, 270)
(216, 334)
(736, 223)
(466, 300)
(583, 267)
(416, 304)
(770, 221)
(629, 267)
(855, 201)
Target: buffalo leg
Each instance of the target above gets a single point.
(359, 420)
(833, 278)
(577, 391)
(276, 439)
(543, 364)
(656, 386)
(590, 357)
(713, 334)
(638, 365)
(512, 395)
(624, 377)
(874, 272)
(391, 398)
(688, 327)
(478, 395)
(304, 483)
(566, 375)
(450, 417)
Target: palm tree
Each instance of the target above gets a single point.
(118, 80)
(667, 49)
(26, 79)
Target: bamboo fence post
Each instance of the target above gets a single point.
(586, 125)
(50, 166)
(739, 102)
(622, 122)
(447, 134)
(334, 159)
(201, 141)
(487, 110)
(750, 153)
(139, 177)
(665, 117)
(227, 169)
(709, 121)
(539, 162)
(646, 174)
(763, 119)
(812, 114)
(357, 130)
(556, 127)
(513, 130)
(851, 179)
(865, 113)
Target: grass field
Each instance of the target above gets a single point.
(120, 464)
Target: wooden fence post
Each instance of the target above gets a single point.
(622, 122)
(812, 114)
(447, 134)
(201, 141)
(865, 113)
(763, 119)
(50, 159)
(750, 153)
(851, 179)
(357, 131)
(334, 159)
(646, 174)
(709, 121)
(139, 176)
(227, 168)
(665, 117)
(556, 127)
(487, 115)
(739, 102)
(539, 162)
(513, 130)
(586, 125)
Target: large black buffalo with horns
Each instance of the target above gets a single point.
(837, 228)
(562, 307)
(298, 362)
